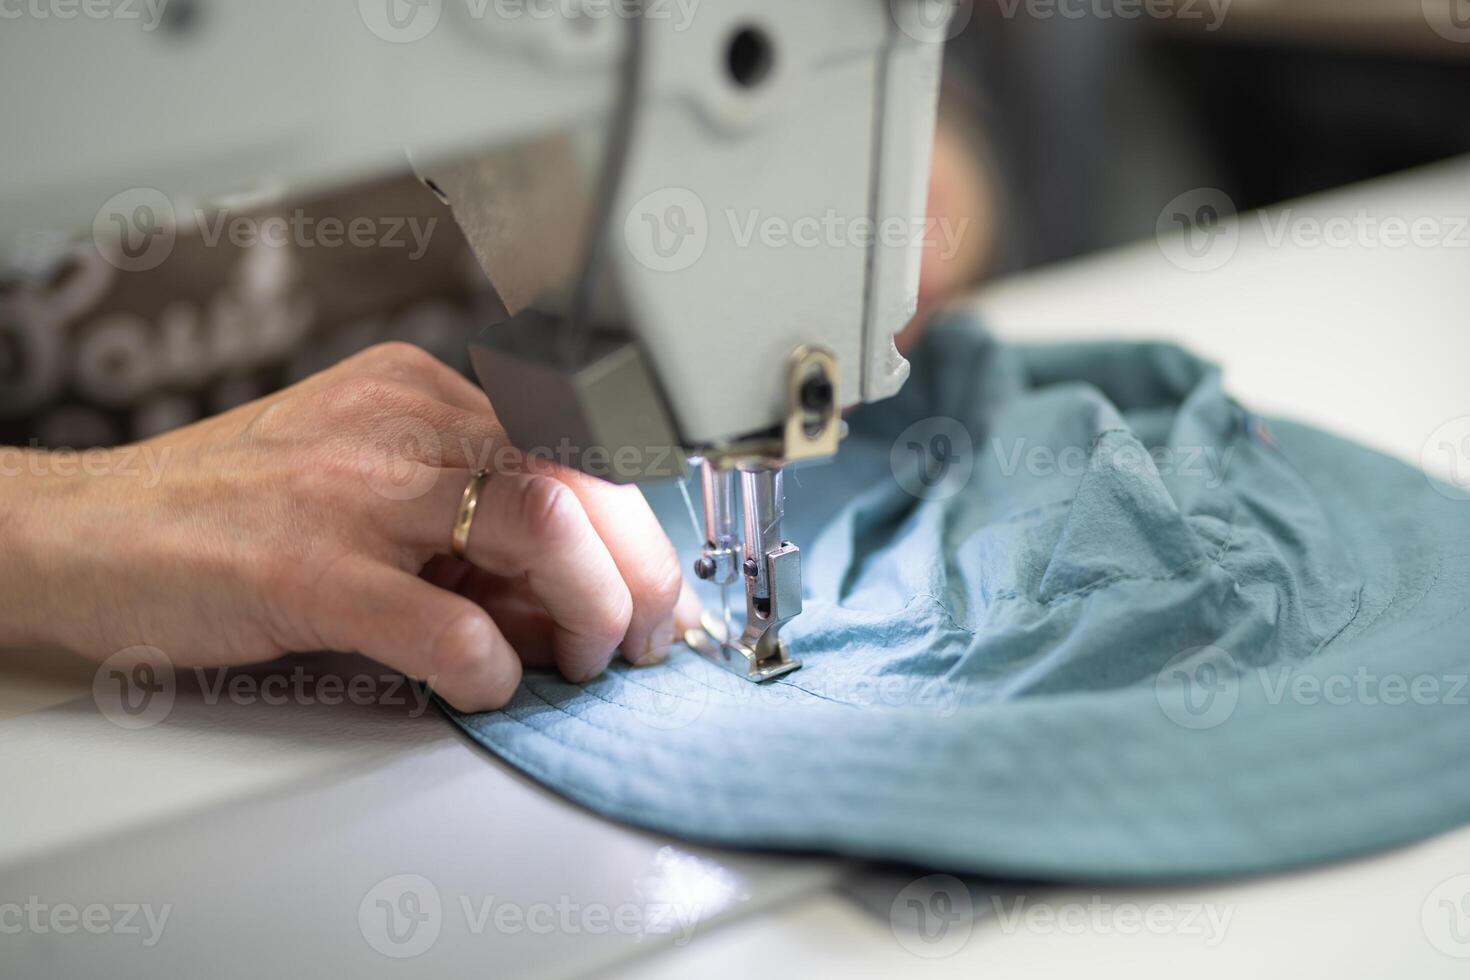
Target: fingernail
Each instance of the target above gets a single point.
(660, 642)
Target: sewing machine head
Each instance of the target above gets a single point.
(697, 322)
(703, 221)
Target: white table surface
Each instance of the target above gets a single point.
(1368, 339)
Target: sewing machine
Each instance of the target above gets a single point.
(608, 163)
(268, 829)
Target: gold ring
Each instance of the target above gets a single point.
(459, 542)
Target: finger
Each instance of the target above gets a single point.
(533, 526)
(426, 632)
(646, 560)
(522, 618)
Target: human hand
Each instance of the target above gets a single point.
(319, 518)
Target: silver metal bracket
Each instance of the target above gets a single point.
(737, 657)
(770, 565)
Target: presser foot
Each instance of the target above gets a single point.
(757, 658)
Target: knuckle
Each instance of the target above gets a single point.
(661, 580)
(617, 617)
(356, 396)
(458, 666)
(455, 653)
(384, 412)
(397, 355)
(546, 507)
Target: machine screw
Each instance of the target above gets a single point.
(751, 568)
(704, 568)
(816, 394)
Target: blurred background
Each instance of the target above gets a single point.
(1096, 121)
(1068, 126)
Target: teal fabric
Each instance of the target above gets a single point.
(1070, 613)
